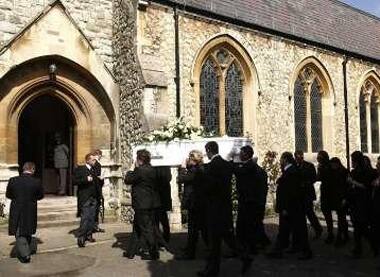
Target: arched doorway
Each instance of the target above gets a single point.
(41, 122)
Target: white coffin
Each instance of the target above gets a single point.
(173, 153)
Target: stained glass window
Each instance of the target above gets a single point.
(209, 97)
(363, 123)
(300, 116)
(316, 117)
(234, 102)
(374, 124)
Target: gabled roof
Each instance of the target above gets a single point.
(325, 22)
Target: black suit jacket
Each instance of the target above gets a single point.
(97, 171)
(144, 183)
(86, 189)
(164, 177)
(309, 177)
(218, 190)
(24, 191)
(251, 183)
(290, 194)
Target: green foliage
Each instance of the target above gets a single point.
(272, 166)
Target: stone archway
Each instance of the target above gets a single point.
(44, 120)
(91, 109)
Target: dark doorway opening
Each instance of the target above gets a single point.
(42, 120)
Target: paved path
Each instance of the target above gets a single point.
(104, 258)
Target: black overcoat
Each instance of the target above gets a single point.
(144, 181)
(251, 183)
(218, 190)
(97, 171)
(86, 189)
(24, 191)
(309, 177)
(290, 193)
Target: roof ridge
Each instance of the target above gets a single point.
(366, 13)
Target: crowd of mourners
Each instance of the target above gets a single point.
(207, 198)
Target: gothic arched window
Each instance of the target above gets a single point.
(209, 97)
(221, 94)
(369, 118)
(308, 95)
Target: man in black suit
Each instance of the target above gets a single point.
(97, 169)
(309, 177)
(164, 177)
(290, 205)
(24, 191)
(252, 188)
(218, 190)
(145, 201)
(85, 179)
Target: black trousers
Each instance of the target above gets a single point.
(23, 245)
(311, 216)
(362, 228)
(163, 219)
(342, 222)
(216, 234)
(196, 223)
(97, 212)
(246, 225)
(294, 223)
(87, 218)
(143, 234)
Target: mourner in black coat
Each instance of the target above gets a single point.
(290, 205)
(97, 170)
(24, 192)
(164, 177)
(252, 188)
(375, 216)
(145, 201)
(360, 191)
(192, 175)
(309, 177)
(333, 198)
(85, 178)
(218, 190)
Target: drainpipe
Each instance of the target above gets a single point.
(346, 111)
(177, 61)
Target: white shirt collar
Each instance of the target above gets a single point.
(88, 166)
(287, 166)
(214, 157)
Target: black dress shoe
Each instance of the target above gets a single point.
(97, 229)
(91, 239)
(246, 266)
(127, 255)
(81, 242)
(184, 257)
(274, 255)
(148, 257)
(205, 273)
(24, 260)
(306, 256)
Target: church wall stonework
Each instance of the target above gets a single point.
(275, 59)
(94, 18)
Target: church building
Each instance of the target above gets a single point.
(99, 74)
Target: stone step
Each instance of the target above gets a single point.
(56, 208)
(69, 222)
(56, 215)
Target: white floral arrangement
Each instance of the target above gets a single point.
(175, 130)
